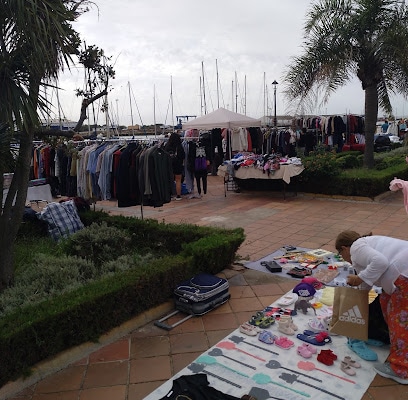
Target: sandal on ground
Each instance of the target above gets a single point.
(347, 369)
(361, 349)
(317, 339)
(248, 329)
(320, 336)
(267, 337)
(304, 351)
(351, 362)
(284, 343)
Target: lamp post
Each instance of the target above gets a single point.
(275, 122)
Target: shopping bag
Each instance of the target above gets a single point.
(350, 312)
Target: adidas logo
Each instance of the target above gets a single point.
(353, 315)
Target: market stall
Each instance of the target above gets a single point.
(271, 167)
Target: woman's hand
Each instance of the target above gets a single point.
(354, 280)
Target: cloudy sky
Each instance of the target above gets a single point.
(167, 55)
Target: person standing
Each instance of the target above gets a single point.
(383, 261)
(309, 140)
(177, 154)
(384, 126)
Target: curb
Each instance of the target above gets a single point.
(376, 199)
(69, 356)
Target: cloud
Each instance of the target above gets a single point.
(163, 47)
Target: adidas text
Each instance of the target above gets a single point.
(353, 320)
(353, 315)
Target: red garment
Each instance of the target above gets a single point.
(46, 161)
(394, 308)
(249, 141)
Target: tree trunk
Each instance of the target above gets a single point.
(85, 104)
(371, 111)
(12, 213)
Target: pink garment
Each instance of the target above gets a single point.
(399, 184)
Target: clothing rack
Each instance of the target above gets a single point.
(122, 141)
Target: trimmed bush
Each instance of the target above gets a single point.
(160, 257)
(98, 243)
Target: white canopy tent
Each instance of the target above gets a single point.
(222, 118)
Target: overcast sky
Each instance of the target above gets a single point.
(161, 49)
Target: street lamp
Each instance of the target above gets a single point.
(275, 122)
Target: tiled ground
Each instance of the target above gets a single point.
(135, 359)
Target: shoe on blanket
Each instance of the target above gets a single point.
(386, 371)
(320, 324)
(361, 349)
(249, 329)
(317, 339)
(325, 358)
(284, 343)
(304, 351)
(267, 337)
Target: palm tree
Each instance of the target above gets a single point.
(347, 38)
(36, 41)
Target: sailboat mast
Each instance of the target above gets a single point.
(232, 95)
(154, 110)
(264, 88)
(59, 110)
(218, 85)
(131, 110)
(107, 117)
(236, 92)
(201, 97)
(245, 94)
(205, 105)
(171, 98)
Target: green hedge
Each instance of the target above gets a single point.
(356, 182)
(36, 332)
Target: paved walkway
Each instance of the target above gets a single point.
(134, 359)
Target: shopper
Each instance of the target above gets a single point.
(383, 261)
(177, 154)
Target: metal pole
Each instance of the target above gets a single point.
(275, 122)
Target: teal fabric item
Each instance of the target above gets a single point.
(360, 348)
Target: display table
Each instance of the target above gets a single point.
(41, 193)
(286, 172)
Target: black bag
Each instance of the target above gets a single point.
(201, 294)
(197, 296)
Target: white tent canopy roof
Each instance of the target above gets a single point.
(222, 118)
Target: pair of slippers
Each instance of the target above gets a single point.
(267, 337)
(317, 339)
(360, 348)
(248, 329)
(261, 320)
(348, 365)
(284, 343)
(306, 350)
